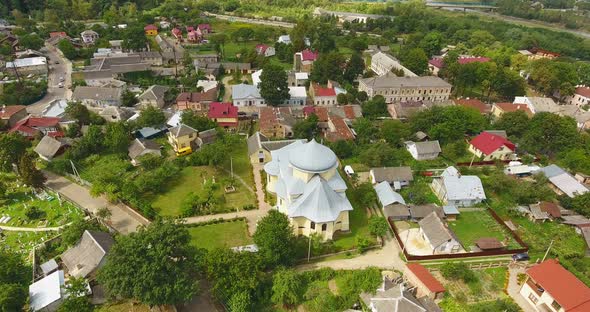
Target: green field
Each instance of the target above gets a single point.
(488, 287)
(23, 242)
(473, 225)
(226, 234)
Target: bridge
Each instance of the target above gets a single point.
(461, 5)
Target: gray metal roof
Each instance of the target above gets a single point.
(49, 266)
(391, 174)
(434, 229)
(97, 93)
(394, 299)
(387, 195)
(319, 203)
(568, 184)
(139, 147)
(154, 92)
(243, 91)
(396, 211)
(182, 130)
(421, 211)
(451, 210)
(428, 147)
(462, 187)
(313, 157)
(552, 170)
(87, 255)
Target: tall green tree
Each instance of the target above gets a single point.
(29, 173)
(14, 280)
(415, 60)
(12, 147)
(200, 123)
(79, 112)
(307, 128)
(273, 86)
(151, 117)
(275, 239)
(155, 265)
(354, 67)
(287, 287)
(116, 137)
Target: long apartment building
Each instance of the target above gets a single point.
(403, 89)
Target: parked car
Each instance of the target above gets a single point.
(521, 257)
(60, 85)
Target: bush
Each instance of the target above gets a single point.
(34, 213)
(362, 243)
(458, 271)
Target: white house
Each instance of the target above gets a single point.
(383, 63)
(31, 65)
(550, 287)
(309, 189)
(437, 235)
(47, 293)
(286, 39)
(396, 176)
(538, 104)
(98, 96)
(423, 150)
(562, 182)
(246, 95)
(455, 189)
(265, 50)
(298, 96)
(580, 97)
(89, 36)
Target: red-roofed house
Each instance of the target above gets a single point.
(322, 96)
(426, 284)
(10, 115)
(550, 287)
(193, 36)
(536, 53)
(60, 34)
(151, 30)
(225, 114)
(476, 104)
(580, 97)
(265, 50)
(437, 63)
(177, 33)
(31, 126)
(196, 101)
(303, 61)
(500, 108)
(204, 28)
(491, 146)
(338, 130)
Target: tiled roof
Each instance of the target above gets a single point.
(150, 27)
(195, 97)
(583, 91)
(321, 91)
(425, 277)
(467, 60)
(488, 143)
(509, 107)
(308, 55)
(339, 130)
(474, 103)
(563, 286)
(8, 111)
(222, 110)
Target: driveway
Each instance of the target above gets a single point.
(384, 258)
(121, 219)
(415, 244)
(513, 288)
(56, 71)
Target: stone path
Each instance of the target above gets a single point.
(252, 216)
(121, 219)
(514, 289)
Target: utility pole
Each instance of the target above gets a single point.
(309, 248)
(547, 252)
(75, 171)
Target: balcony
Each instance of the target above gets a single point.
(536, 288)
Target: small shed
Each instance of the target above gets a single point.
(49, 267)
(451, 212)
(426, 284)
(489, 243)
(348, 170)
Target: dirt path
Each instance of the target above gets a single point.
(26, 229)
(121, 219)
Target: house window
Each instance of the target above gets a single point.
(555, 305)
(324, 227)
(312, 225)
(533, 298)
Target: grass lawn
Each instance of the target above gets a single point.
(489, 285)
(226, 234)
(286, 66)
(473, 225)
(23, 242)
(123, 306)
(232, 48)
(419, 190)
(19, 198)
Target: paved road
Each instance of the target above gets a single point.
(56, 71)
(121, 220)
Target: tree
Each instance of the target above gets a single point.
(129, 99)
(550, 134)
(365, 130)
(342, 99)
(378, 226)
(12, 297)
(31, 41)
(240, 302)
(198, 122)
(394, 131)
(29, 173)
(415, 60)
(79, 112)
(375, 107)
(515, 123)
(328, 66)
(273, 86)
(275, 239)
(151, 117)
(233, 273)
(76, 288)
(155, 265)
(354, 67)
(134, 38)
(73, 232)
(14, 278)
(116, 137)
(287, 287)
(432, 43)
(68, 49)
(12, 147)
(104, 214)
(307, 128)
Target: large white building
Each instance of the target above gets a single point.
(246, 95)
(31, 65)
(383, 63)
(309, 188)
(406, 89)
(455, 189)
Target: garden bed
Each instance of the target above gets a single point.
(473, 225)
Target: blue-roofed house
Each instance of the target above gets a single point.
(150, 132)
(309, 189)
(246, 95)
(452, 188)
